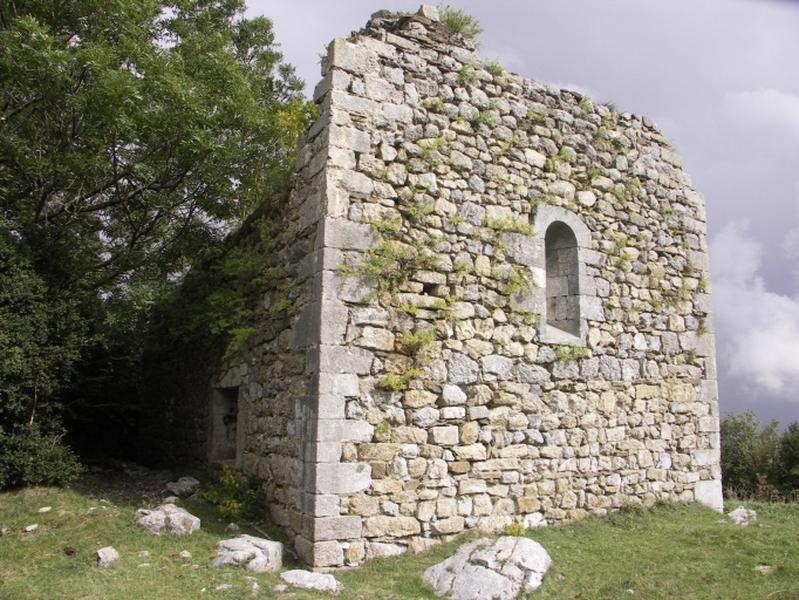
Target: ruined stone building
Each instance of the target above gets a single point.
(488, 304)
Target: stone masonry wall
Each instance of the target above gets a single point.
(447, 397)
(486, 301)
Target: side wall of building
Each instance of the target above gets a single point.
(451, 397)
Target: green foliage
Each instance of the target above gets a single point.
(432, 147)
(455, 219)
(515, 280)
(486, 117)
(749, 453)
(568, 353)
(414, 342)
(30, 457)
(390, 226)
(539, 115)
(458, 21)
(134, 137)
(398, 382)
(467, 75)
(495, 69)
(501, 224)
(409, 309)
(433, 103)
(41, 337)
(586, 106)
(417, 211)
(391, 263)
(789, 457)
(515, 529)
(235, 497)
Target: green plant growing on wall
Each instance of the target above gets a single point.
(485, 117)
(455, 219)
(569, 353)
(398, 382)
(467, 75)
(433, 103)
(431, 147)
(495, 69)
(506, 224)
(408, 309)
(586, 106)
(417, 211)
(462, 267)
(538, 116)
(702, 329)
(413, 342)
(457, 21)
(387, 226)
(514, 280)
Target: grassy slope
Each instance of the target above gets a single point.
(670, 552)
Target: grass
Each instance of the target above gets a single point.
(672, 551)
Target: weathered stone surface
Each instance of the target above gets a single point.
(485, 303)
(168, 518)
(308, 580)
(390, 526)
(486, 570)
(258, 554)
(743, 516)
(183, 487)
(107, 556)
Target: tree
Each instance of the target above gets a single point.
(749, 452)
(789, 457)
(134, 136)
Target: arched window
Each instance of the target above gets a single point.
(562, 278)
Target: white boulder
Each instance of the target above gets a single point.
(743, 516)
(185, 486)
(307, 580)
(260, 555)
(169, 518)
(107, 556)
(490, 570)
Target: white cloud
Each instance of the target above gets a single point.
(758, 330)
(770, 109)
(790, 242)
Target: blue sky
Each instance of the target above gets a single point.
(721, 79)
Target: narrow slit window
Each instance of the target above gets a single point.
(224, 424)
(563, 281)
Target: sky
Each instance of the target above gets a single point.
(721, 80)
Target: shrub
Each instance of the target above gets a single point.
(460, 22)
(30, 457)
(234, 496)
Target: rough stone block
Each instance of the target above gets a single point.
(337, 528)
(445, 436)
(354, 58)
(342, 478)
